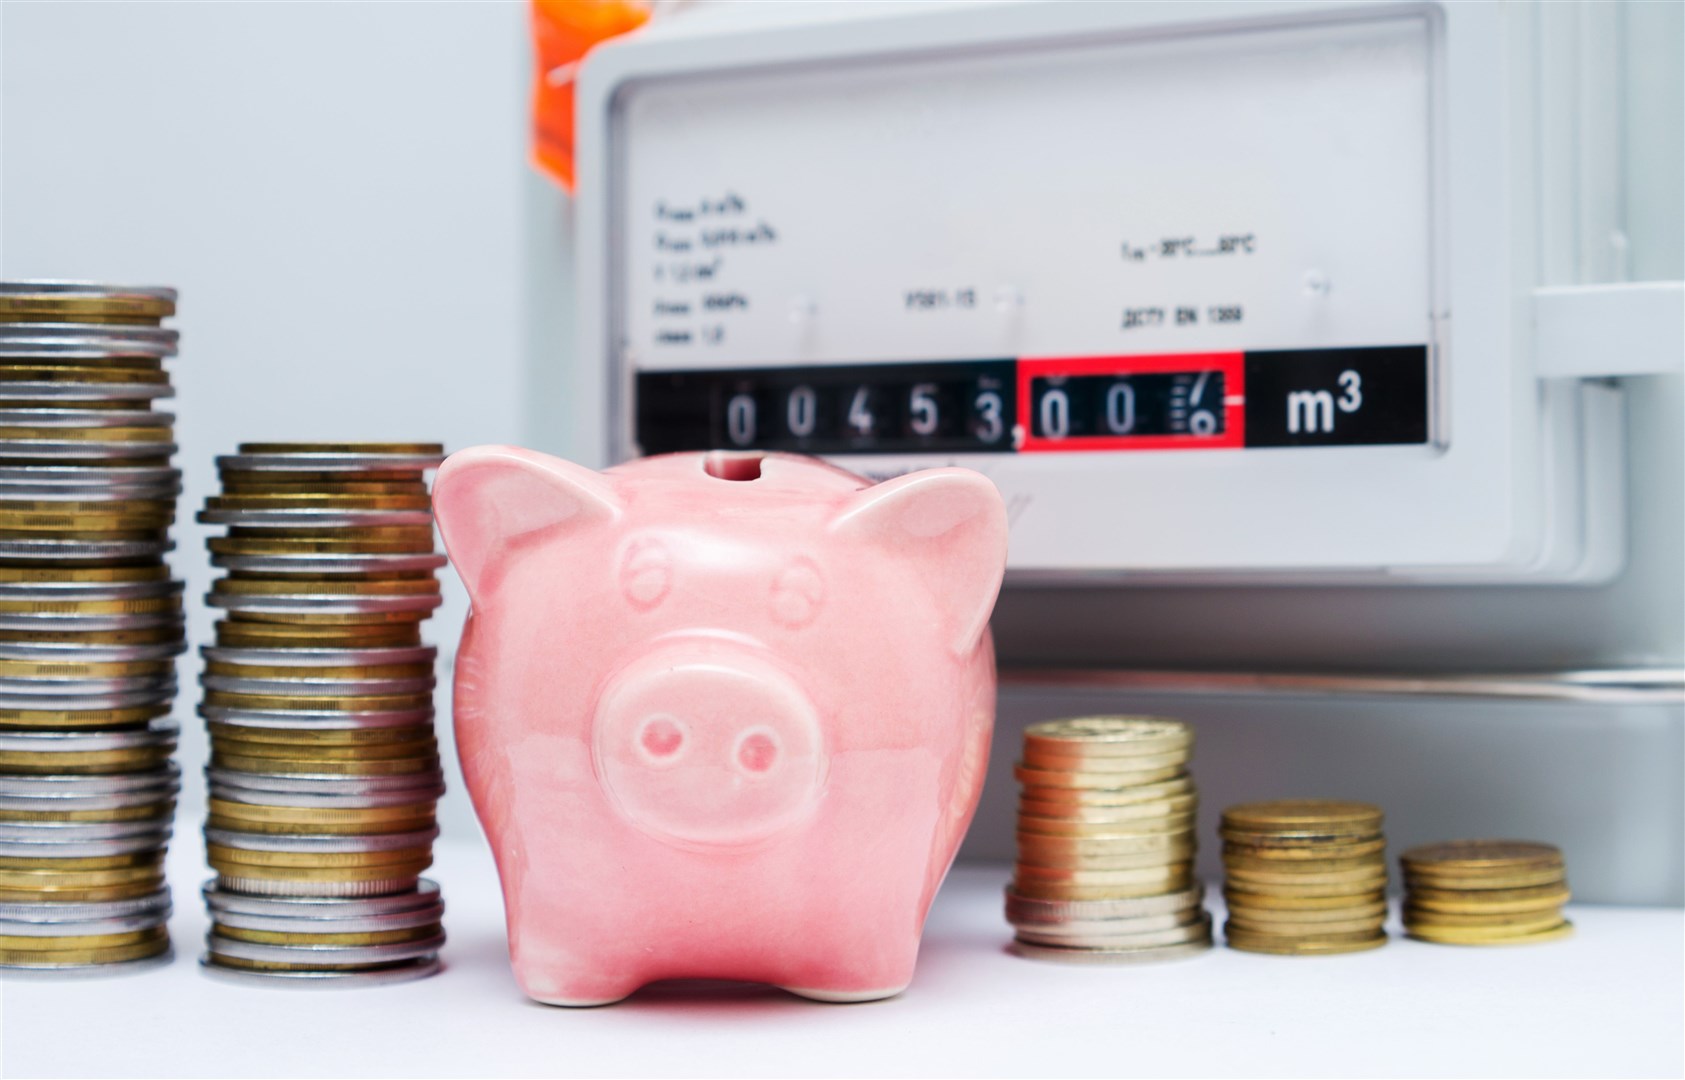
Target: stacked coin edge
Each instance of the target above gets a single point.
(1485, 892)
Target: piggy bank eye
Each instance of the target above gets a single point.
(798, 592)
(646, 574)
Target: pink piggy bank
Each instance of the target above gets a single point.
(721, 715)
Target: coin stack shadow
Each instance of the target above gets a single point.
(1106, 843)
(318, 697)
(1485, 892)
(1304, 877)
(90, 624)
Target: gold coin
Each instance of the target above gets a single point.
(282, 546)
(1300, 869)
(1130, 796)
(347, 618)
(145, 605)
(1104, 830)
(337, 533)
(1274, 854)
(1478, 858)
(80, 863)
(79, 304)
(30, 575)
(318, 501)
(1257, 918)
(77, 517)
(1121, 735)
(386, 472)
(1490, 901)
(317, 767)
(268, 636)
(162, 809)
(1443, 937)
(1249, 941)
(220, 856)
(46, 880)
(80, 894)
(1180, 806)
(370, 752)
(84, 762)
(243, 817)
(83, 371)
(80, 719)
(282, 449)
(161, 435)
(1240, 898)
(1109, 781)
(47, 670)
(291, 483)
(1133, 764)
(16, 943)
(1057, 890)
(347, 874)
(322, 674)
(100, 363)
(1527, 922)
(1362, 924)
(1055, 860)
(416, 735)
(1136, 876)
(371, 937)
(146, 943)
(1549, 877)
(298, 587)
(1121, 845)
(149, 635)
(1303, 816)
(321, 703)
(1342, 886)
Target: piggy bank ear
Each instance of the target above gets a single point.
(491, 501)
(952, 524)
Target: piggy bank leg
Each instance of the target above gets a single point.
(558, 973)
(856, 978)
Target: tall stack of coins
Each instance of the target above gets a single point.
(1485, 892)
(324, 768)
(1305, 877)
(90, 624)
(1106, 843)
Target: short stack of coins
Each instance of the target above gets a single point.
(90, 624)
(1304, 877)
(318, 697)
(1106, 843)
(1485, 892)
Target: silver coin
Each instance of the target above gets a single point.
(85, 449)
(306, 604)
(328, 462)
(1198, 930)
(93, 477)
(85, 418)
(425, 896)
(60, 591)
(79, 831)
(324, 720)
(166, 776)
(74, 652)
(1109, 956)
(328, 564)
(85, 849)
(159, 731)
(74, 804)
(296, 519)
(323, 954)
(89, 623)
(1024, 909)
(29, 390)
(325, 924)
(404, 797)
(317, 687)
(94, 339)
(50, 911)
(126, 924)
(1103, 927)
(88, 290)
(9, 972)
(49, 492)
(38, 688)
(85, 549)
(414, 654)
(323, 785)
(408, 971)
(44, 703)
(321, 844)
(337, 889)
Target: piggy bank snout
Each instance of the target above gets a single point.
(708, 750)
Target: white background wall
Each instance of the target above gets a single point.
(336, 189)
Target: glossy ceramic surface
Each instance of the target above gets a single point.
(722, 716)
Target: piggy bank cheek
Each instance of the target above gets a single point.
(708, 753)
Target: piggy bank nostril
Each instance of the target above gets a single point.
(757, 751)
(661, 737)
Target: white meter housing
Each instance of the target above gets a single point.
(1212, 291)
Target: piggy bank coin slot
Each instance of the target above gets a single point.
(728, 465)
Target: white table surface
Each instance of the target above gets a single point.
(1608, 1002)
